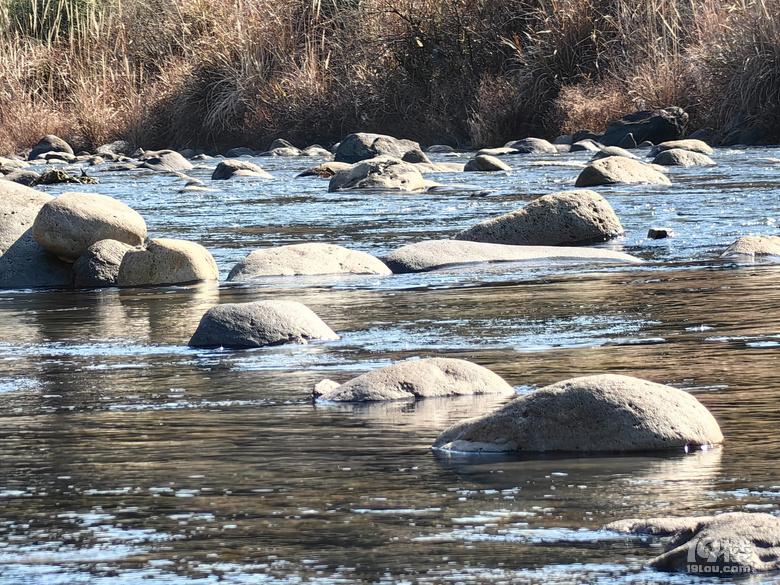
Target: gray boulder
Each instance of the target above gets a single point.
(282, 151)
(71, 223)
(436, 254)
(414, 379)
(99, 266)
(735, 543)
(259, 324)
(532, 146)
(689, 144)
(22, 176)
(613, 151)
(227, 169)
(23, 263)
(363, 146)
(382, 173)
(586, 145)
(483, 162)
(280, 143)
(115, 148)
(619, 169)
(503, 151)
(326, 169)
(165, 161)
(754, 247)
(440, 149)
(316, 150)
(570, 218)
(47, 144)
(608, 413)
(166, 261)
(682, 158)
(306, 259)
(239, 151)
(655, 126)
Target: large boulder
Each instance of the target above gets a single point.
(570, 218)
(484, 162)
(71, 223)
(682, 158)
(227, 169)
(362, 146)
(532, 146)
(689, 144)
(435, 254)
(50, 143)
(754, 247)
(608, 413)
(24, 177)
(619, 169)
(165, 160)
(735, 543)
(381, 173)
(259, 324)
(99, 265)
(306, 259)
(655, 126)
(23, 263)
(414, 379)
(167, 261)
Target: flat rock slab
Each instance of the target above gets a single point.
(259, 324)
(306, 259)
(71, 223)
(167, 261)
(603, 413)
(380, 173)
(571, 218)
(619, 169)
(415, 379)
(436, 254)
(754, 247)
(724, 545)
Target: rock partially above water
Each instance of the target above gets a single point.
(724, 545)
(690, 144)
(71, 223)
(259, 324)
(484, 162)
(564, 218)
(165, 160)
(414, 379)
(50, 143)
(363, 146)
(99, 265)
(434, 254)
(532, 146)
(752, 247)
(608, 413)
(682, 158)
(653, 125)
(382, 173)
(619, 169)
(227, 169)
(167, 261)
(306, 259)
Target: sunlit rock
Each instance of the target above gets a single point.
(71, 223)
(689, 144)
(619, 169)
(306, 259)
(564, 218)
(227, 169)
(259, 324)
(682, 158)
(532, 146)
(608, 151)
(99, 265)
(754, 247)
(326, 169)
(165, 160)
(414, 379)
(736, 543)
(381, 173)
(167, 261)
(48, 144)
(609, 413)
(484, 162)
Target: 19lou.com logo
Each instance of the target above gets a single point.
(719, 555)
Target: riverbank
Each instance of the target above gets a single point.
(219, 73)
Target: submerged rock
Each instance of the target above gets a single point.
(306, 259)
(619, 169)
(227, 169)
(752, 247)
(259, 324)
(71, 223)
(99, 265)
(434, 254)
(736, 543)
(607, 413)
(564, 218)
(382, 173)
(414, 379)
(167, 261)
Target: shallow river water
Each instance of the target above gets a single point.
(127, 457)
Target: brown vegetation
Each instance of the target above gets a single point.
(213, 73)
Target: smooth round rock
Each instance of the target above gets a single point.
(608, 413)
(167, 261)
(71, 223)
(682, 158)
(619, 169)
(306, 259)
(608, 151)
(259, 324)
(50, 143)
(436, 254)
(532, 146)
(415, 379)
(99, 265)
(380, 173)
(165, 160)
(227, 169)
(752, 247)
(484, 162)
(570, 218)
(364, 145)
(689, 144)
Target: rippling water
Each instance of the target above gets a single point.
(127, 457)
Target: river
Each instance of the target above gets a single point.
(128, 457)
